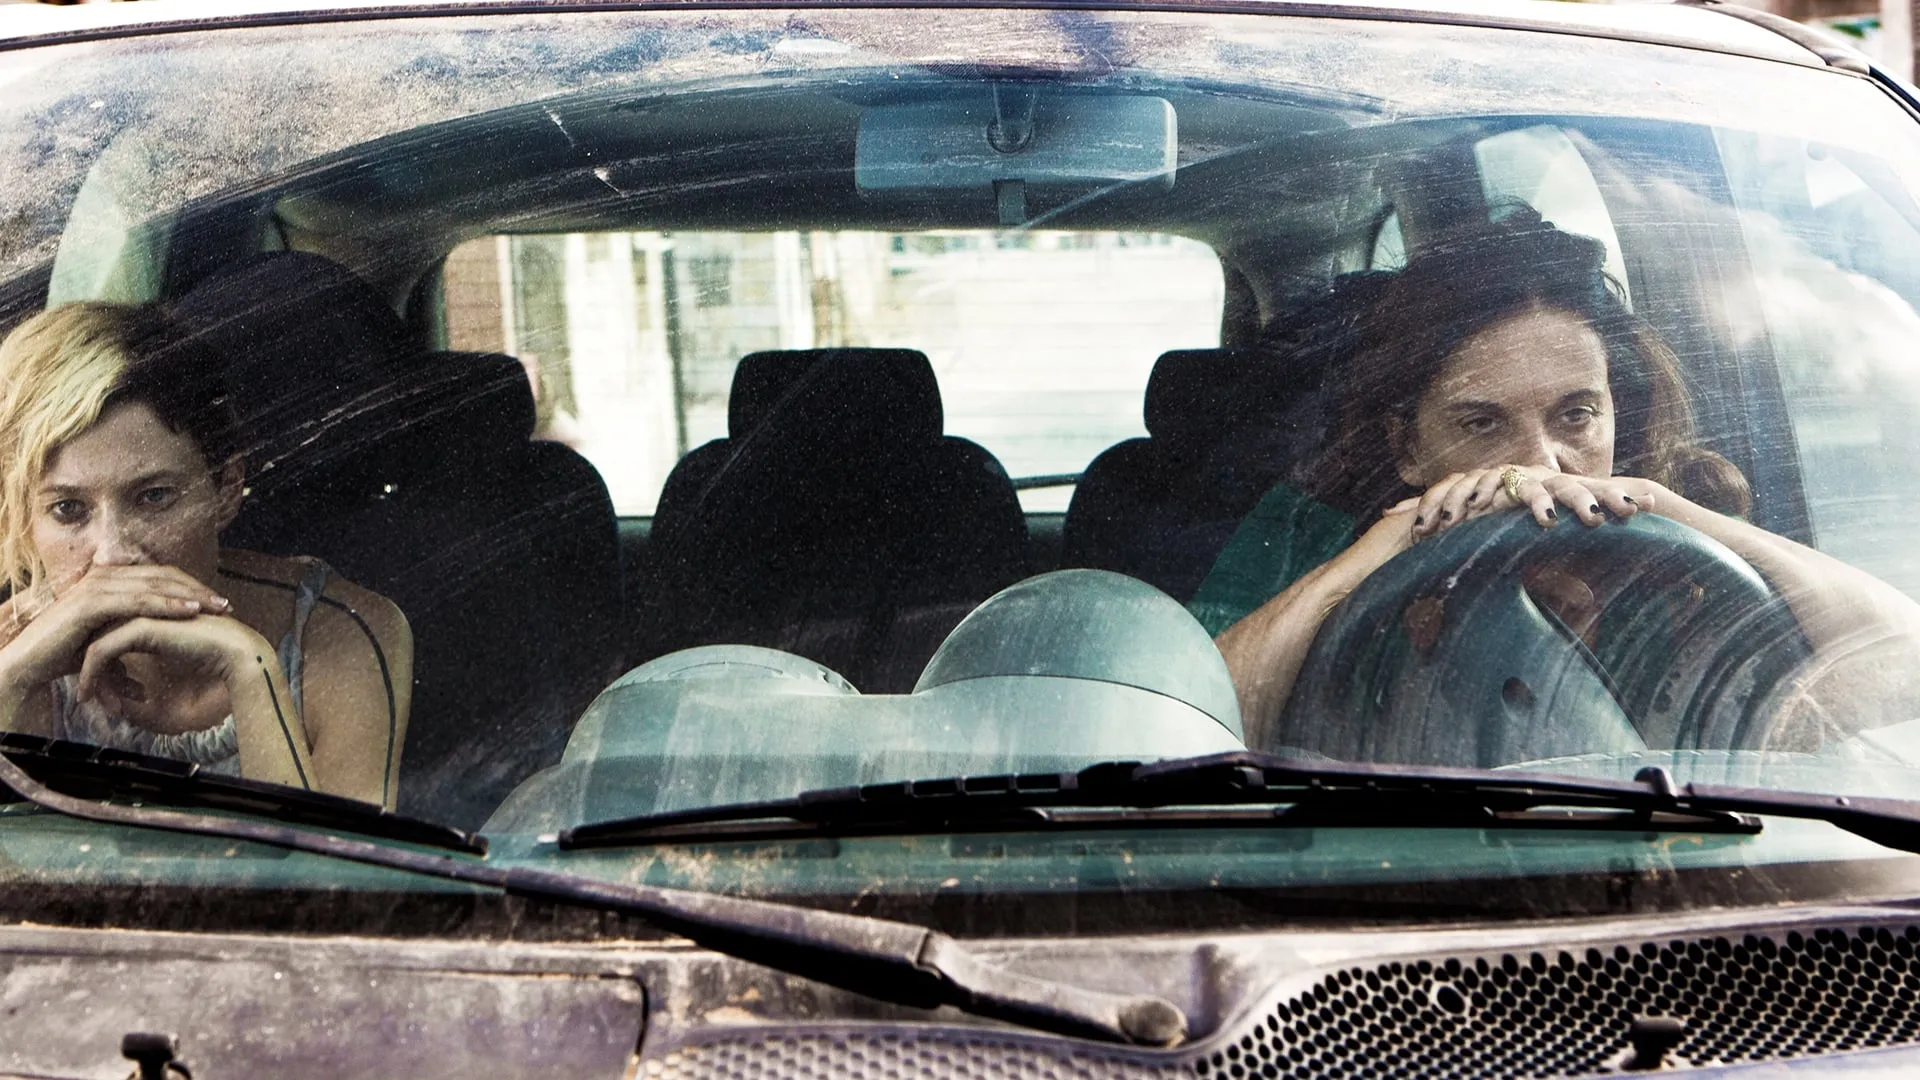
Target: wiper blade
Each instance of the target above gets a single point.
(1305, 793)
(889, 960)
(93, 772)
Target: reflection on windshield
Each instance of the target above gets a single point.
(512, 445)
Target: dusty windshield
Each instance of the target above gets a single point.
(552, 420)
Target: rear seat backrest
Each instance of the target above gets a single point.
(1224, 426)
(416, 478)
(839, 514)
(758, 382)
(1160, 508)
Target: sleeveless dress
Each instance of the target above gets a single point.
(215, 749)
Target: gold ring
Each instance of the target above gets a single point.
(1510, 478)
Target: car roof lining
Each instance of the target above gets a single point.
(1268, 203)
(694, 160)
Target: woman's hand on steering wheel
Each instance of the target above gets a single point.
(1542, 491)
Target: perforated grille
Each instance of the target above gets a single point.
(1545, 1013)
(887, 1057)
(1564, 1013)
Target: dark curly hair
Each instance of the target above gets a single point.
(1470, 281)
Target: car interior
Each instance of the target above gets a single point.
(837, 518)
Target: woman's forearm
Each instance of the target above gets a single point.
(24, 705)
(1865, 634)
(1265, 650)
(1836, 605)
(273, 741)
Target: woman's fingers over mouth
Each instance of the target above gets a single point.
(157, 606)
(110, 605)
(121, 582)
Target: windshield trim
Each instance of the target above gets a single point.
(1731, 37)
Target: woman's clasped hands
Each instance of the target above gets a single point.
(1543, 492)
(180, 634)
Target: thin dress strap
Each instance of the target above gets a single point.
(306, 595)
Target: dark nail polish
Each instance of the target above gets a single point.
(1594, 509)
(1628, 499)
(1471, 497)
(1446, 515)
(1552, 514)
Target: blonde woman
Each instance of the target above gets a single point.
(129, 625)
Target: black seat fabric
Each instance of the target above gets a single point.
(1161, 508)
(413, 473)
(759, 380)
(1223, 427)
(305, 341)
(840, 523)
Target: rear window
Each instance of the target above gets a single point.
(1042, 340)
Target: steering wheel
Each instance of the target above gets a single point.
(1499, 641)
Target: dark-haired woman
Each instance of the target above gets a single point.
(1500, 370)
(128, 625)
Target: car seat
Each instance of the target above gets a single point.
(1160, 508)
(758, 381)
(413, 473)
(837, 521)
(1224, 426)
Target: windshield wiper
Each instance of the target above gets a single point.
(94, 772)
(888, 960)
(1295, 793)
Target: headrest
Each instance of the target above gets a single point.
(291, 315)
(758, 382)
(490, 393)
(890, 388)
(1192, 392)
(1324, 327)
(447, 414)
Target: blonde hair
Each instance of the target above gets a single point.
(63, 368)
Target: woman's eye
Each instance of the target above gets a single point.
(68, 511)
(155, 498)
(1581, 416)
(1480, 425)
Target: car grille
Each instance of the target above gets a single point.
(1524, 1013)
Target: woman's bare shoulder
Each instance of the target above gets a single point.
(348, 611)
(366, 610)
(256, 568)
